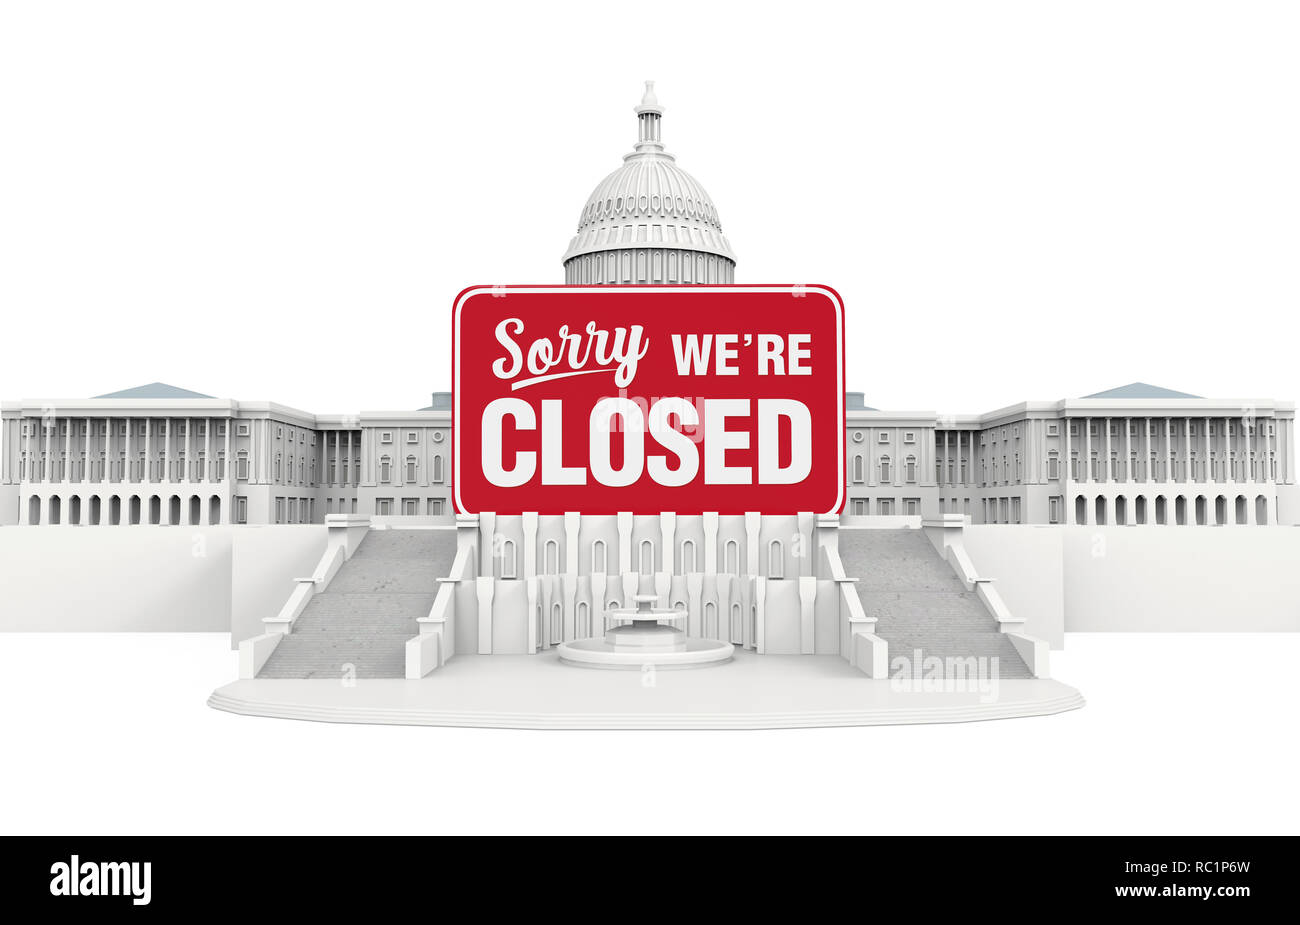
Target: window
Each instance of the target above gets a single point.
(410, 506)
(599, 558)
(242, 430)
(383, 506)
(385, 469)
(386, 436)
(911, 468)
(437, 470)
(909, 437)
(412, 437)
(882, 437)
(688, 556)
(912, 506)
(508, 563)
(241, 465)
(438, 436)
(1053, 510)
(859, 470)
(1053, 466)
(435, 506)
(857, 436)
(1074, 430)
(884, 469)
(775, 560)
(860, 507)
(410, 468)
(1053, 429)
(885, 506)
(241, 510)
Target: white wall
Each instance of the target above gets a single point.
(1027, 567)
(265, 562)
(107, 579)
(151, 579)
(1210, 579)
(1143, 579)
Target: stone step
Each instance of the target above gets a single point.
(387, 576)
(407, 544)
(919, 602)
(367, 613)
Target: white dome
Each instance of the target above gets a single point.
(651, 204)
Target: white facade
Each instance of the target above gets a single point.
(189, 461)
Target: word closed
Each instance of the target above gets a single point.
(649, 399)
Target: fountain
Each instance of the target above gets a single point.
(645, 641)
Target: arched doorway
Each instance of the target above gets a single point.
(155, 510)
(56, 509)
(1220, 511)
(133, 510)
(96, 509)
(34, 509)
(115, 510)
(196, 510)
(214, 510)
(74, 511)
(1202, 511)
(1100, 510)
(174, 511)
(1243, 510)
(1180, 510)
(1081, 510)
(1261, 509)
(1140, 509)
(1162, 509)
(1121, 510)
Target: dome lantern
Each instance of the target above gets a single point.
(649, 221)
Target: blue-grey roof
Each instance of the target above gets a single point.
(441, 402)
(854, 401)
(155, 390)
(1140, 390)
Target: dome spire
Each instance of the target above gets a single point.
(648, 115)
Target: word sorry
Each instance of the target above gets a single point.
(625, 417)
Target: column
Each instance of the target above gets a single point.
(1107, 450)
(1268, 456)
(27, 469)
(67, 458)
(1067, 502)
(1087, 449)
(1209, 472)
(1128, 450)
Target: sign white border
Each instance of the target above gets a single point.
(792, 289)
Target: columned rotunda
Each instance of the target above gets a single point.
(649, 221)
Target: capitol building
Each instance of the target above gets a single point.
(428, 582)
(161, 455)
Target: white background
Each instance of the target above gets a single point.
(1025, 200)
(1016, 200)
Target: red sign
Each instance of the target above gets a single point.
(649, 398)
